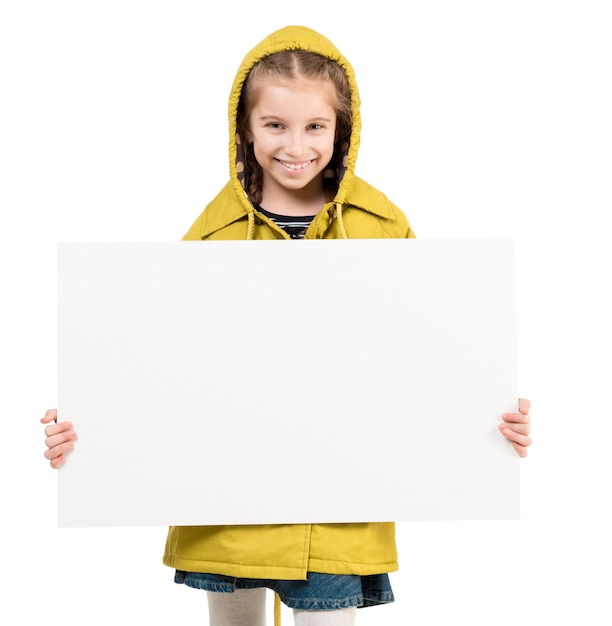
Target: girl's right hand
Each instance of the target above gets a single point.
(60, 438)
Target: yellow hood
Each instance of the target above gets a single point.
(358, 210)
(294, 38)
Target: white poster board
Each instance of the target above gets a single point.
(286, 382)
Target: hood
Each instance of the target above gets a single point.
(293, 38)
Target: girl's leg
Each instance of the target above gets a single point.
(243, 606)
(337, 617)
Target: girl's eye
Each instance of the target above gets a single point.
(316, 126)
(274, 125)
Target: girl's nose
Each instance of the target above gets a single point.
(295, 144)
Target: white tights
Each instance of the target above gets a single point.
(247, 607)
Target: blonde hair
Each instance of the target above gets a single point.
(293, 65)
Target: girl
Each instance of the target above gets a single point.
(294, 133)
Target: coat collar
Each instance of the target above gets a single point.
(231, 205)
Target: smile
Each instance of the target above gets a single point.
(295, 166)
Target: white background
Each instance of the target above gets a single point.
(480, 119)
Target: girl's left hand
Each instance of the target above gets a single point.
(516, 427)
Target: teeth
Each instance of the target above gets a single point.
(296, 166)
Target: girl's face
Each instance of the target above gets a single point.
(292, 126)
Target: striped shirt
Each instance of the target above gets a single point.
(294, 226)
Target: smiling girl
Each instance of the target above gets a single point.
(294, 135)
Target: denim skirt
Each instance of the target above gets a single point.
(320, 592)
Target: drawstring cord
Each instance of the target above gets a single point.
(251, 226)
(335, 212)
(277, 610)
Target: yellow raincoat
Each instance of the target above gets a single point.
(357, 211)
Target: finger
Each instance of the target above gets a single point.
(56, 439)
(522, 429)
(57, 451)
(524, 406)
(60, 427)
(49, 416)
(58, 461)
(511, 435)
(519, 448)
(516, 418)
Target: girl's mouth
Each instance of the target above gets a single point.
(295, 166)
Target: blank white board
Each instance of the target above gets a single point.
(244, 382)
